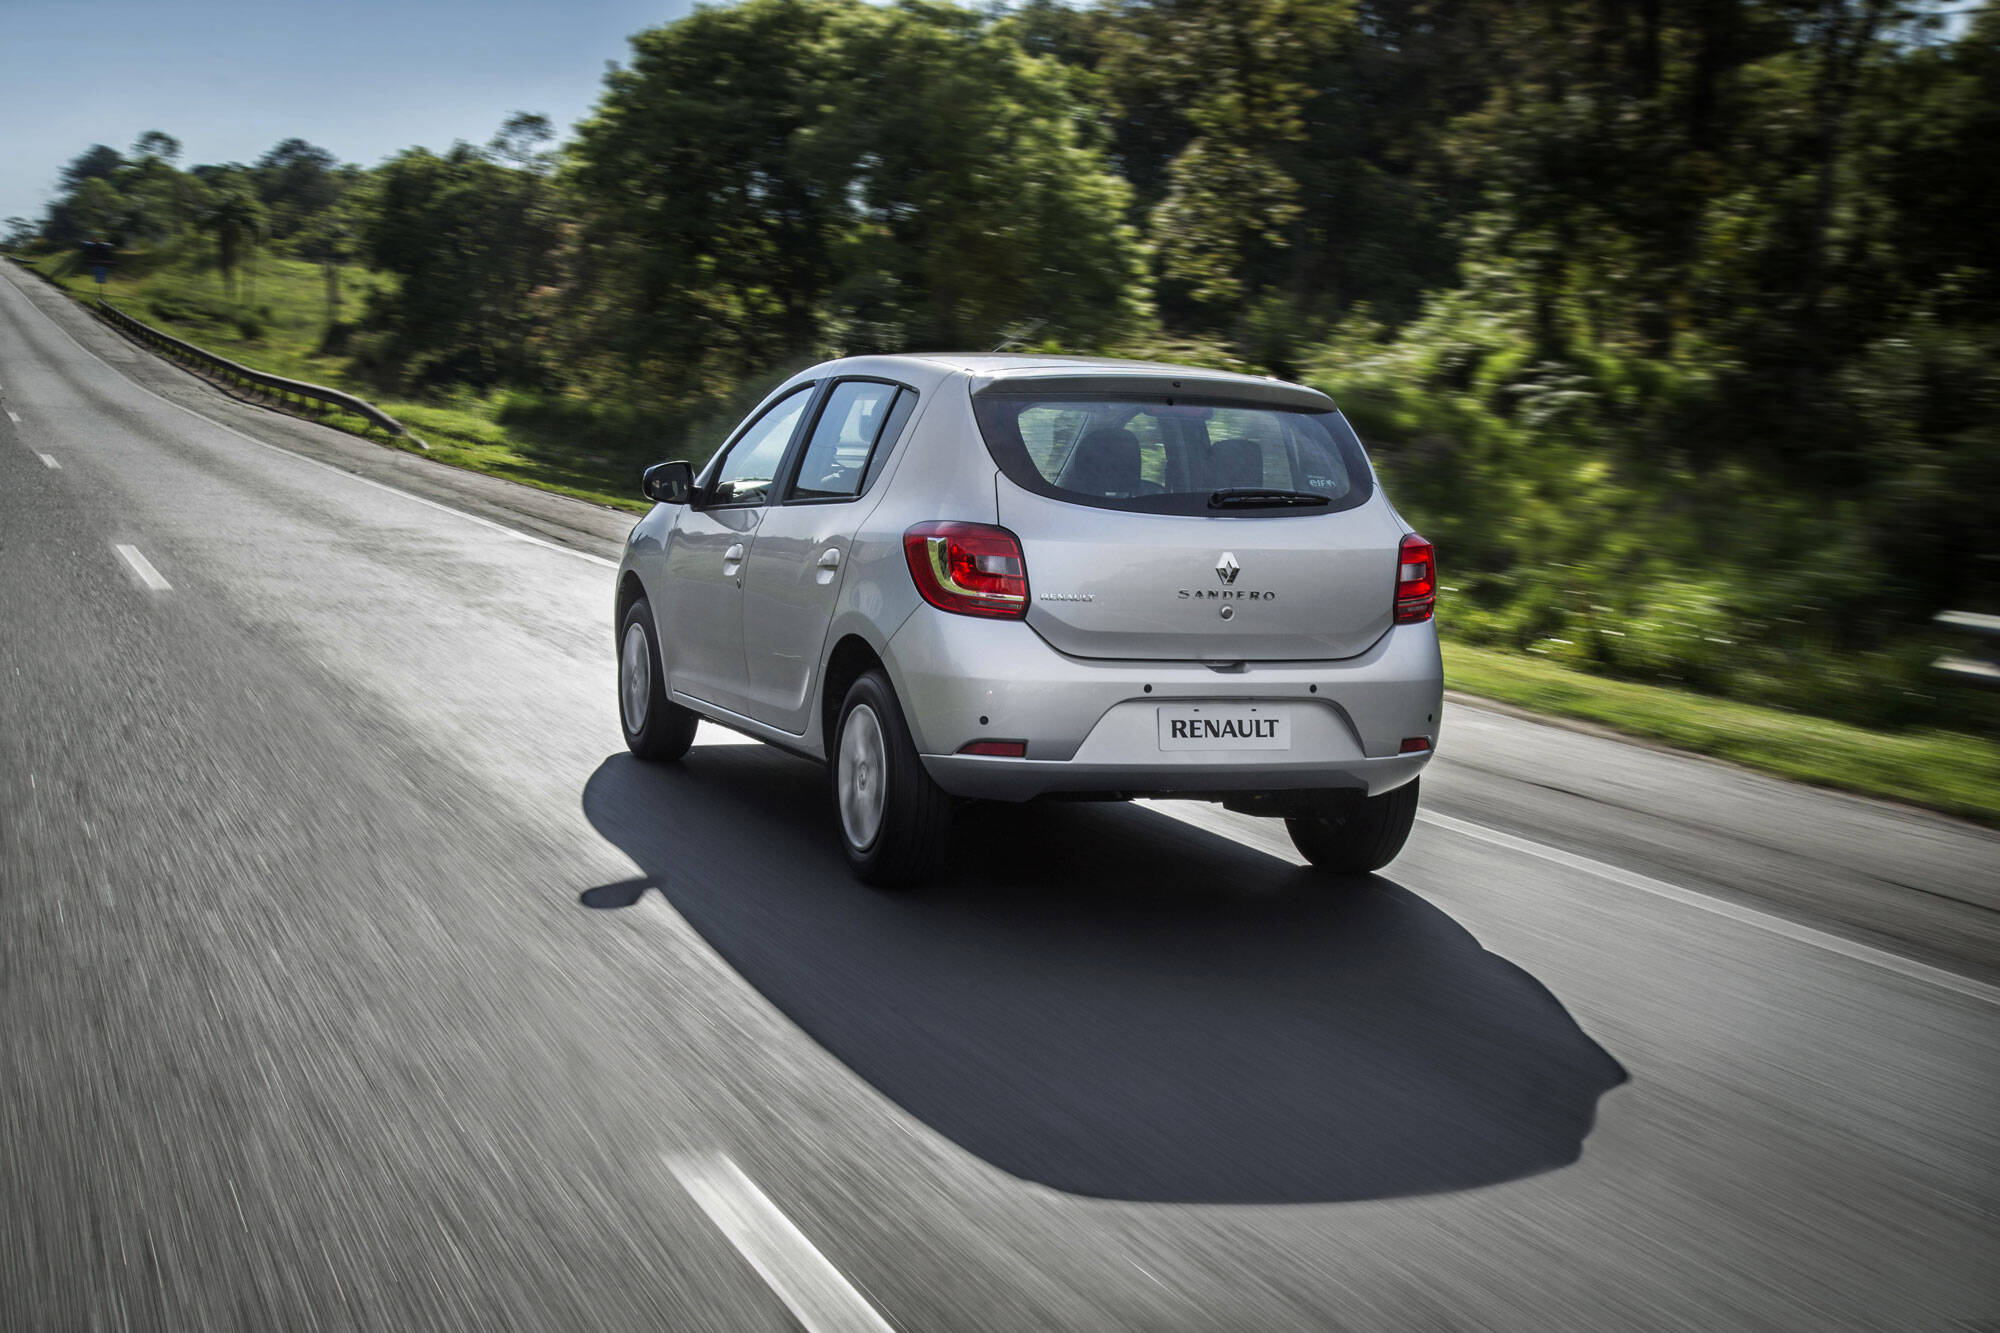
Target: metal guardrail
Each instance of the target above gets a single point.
(251, 378)
(1983, 672)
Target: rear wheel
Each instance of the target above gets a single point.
(1364, 839)
(894, 821)
(655, 726)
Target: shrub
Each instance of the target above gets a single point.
(1607, 510)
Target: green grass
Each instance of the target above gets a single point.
(595, 452)
(275, 321)
(472, 433)
(1945, 770)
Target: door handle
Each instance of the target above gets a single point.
(830, 558)
(733, 554)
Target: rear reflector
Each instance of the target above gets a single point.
(1414, 745)
(1003, 749)
(1416, 581)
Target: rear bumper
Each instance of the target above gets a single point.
(992, 779)
(1090, 725)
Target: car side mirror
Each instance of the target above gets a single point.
(669, 483)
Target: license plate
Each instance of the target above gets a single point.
(1225, 727)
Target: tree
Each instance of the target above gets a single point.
(966, 201)
(474, 242)
(99, 210)
(20, 233)
(295, 181)
(329, 242)
(96, 162)
(156, 144)
(707, 244)
(780, 178)
(1844, 32)
(1283, 151)
(521, 140)
(1925, 142)
(236, 220)
(1239, 74)
(160, 201)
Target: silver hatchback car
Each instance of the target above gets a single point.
(1009, 577)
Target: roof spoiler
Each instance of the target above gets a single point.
(1154, 382)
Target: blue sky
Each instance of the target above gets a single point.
(229, 78)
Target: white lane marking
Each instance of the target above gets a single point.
(515, 533)
(13, 416)
(144, 569)
(49, 461)
(1749, 916)
(811, 1287)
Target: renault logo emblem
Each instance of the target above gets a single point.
(1226, 569)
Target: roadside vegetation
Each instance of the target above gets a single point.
(1671, 324)
(280, 322)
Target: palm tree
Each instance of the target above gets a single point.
(236, 220)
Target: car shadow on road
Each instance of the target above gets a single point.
(1114, 1003)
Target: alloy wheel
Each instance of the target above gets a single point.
(861, 776)
(635, 677)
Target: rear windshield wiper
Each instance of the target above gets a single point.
(1256, 497)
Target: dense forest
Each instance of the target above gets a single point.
(1672, 322)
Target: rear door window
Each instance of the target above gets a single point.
(850, 428)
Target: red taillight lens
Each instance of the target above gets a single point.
(970, 569)
(1414, 745)
(1416, 581)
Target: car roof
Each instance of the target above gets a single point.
(992, 369)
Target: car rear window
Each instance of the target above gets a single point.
(1173, 456)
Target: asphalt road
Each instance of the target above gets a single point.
(352, 976)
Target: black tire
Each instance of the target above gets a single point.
(913, 827)
(1362, 841)
(665, 729)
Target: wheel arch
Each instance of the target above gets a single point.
(851, 657)
(630, 590)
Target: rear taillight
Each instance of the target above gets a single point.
(1416, 581)
(970, 569)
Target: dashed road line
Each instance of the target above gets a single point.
(49, 461)
(803, 1278)
(143, 567)
(13, 416)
